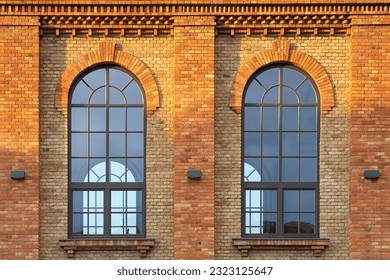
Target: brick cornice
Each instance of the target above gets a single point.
(137, 19)
(107, 53)
(282, 53)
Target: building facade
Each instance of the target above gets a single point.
(194, 129)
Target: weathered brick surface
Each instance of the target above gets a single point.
(19, 137)
(370, 145)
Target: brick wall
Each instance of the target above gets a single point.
(370, 145)
(19, 137)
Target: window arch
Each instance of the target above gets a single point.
(107, 155)
(280, 134)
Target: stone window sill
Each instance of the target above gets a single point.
(316, 245)
(72, 245)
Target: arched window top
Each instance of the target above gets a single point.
(280, 84)
(107, 85)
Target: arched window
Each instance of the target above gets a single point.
(106, 155)
(280, 154)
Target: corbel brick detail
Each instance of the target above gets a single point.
(107, 53)
(282, 53)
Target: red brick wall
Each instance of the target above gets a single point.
(193, 148)
(19, 137)
(370, 138)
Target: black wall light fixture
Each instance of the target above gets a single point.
(194, 174)
(18, 174)
(372, 174)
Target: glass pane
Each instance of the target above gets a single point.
(272, 96)
(308, 143)
(269, 200)
(78, 201)
(117, 201)
(254, 93)
(97, 119)
(270, 145)
(133, 94)
(97, 172)
(78, 222)
(307, 223)
(269, 77)
(96, 78)
(255, 200)
(290, 170)
(97, 144)
(118, 170)
(135, 144)
(308, 170)
(79, 144)
(290, 118)
(98, 96)
(115, 96)
(135, 119)
(306, 93)
(117, 220)
(81, 93)
(135, 170)
(252, 144)
(291, 221)
(290, 144)
(291, 201)
(270, 170)
(79, 169)
(79, 119)
(307, 201)
(308, 118)
(117, 144)
(252, 170)
(118, 78)
(252, 118)
(117, 119)
(270, 118)
(269, 223)
(292, 77)
(289, 96)
(255, 219)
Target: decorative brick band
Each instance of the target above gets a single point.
(282, 52)
(107, 53)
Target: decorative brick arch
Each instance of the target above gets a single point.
(282, 52)
(108, 54)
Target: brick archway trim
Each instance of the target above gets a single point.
(281, 52)
(107, 53)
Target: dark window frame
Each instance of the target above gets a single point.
(280, 186)
(107, 187)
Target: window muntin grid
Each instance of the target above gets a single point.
(280, 150)
(106, 151)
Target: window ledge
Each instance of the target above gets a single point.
(317, 245)
(72, 245)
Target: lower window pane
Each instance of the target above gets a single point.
(307, 222)
(126, 212)
(291, 222)
(88, 212)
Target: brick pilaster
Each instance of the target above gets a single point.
(19, 137)
(194, 137)
(369, 236)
